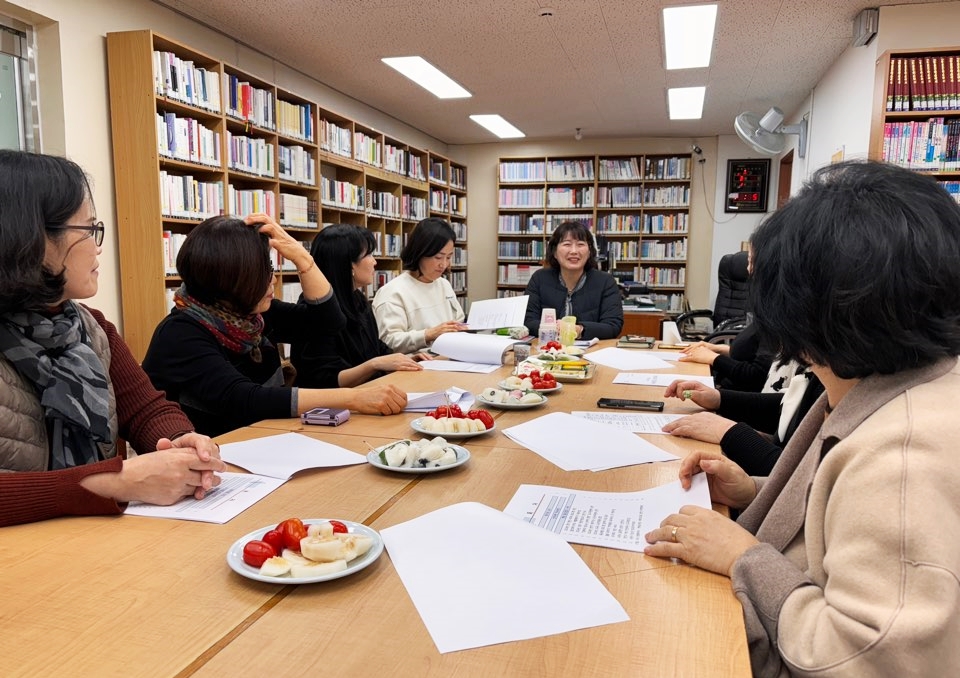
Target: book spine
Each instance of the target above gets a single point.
(891, 89)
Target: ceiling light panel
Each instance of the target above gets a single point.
(686, 103)
(498, 126)
(427, 76)
(688, 35)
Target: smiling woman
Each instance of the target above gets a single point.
(572, 285)
(69, 387)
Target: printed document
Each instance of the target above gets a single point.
(642, 379)
(491, 314)
(614, 519)
(487, 349)
(235, 494)
(626, 359)
(635, 422)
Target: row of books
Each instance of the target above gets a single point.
(182, 80)
(521, 197)
(249, 201)
(619, 169)
(675, 250)
(570, 170)
(619, 196)
(295, 164)
(459, 256)
(458, 204)
(187, 139)
(621, 249)
(924, 83)
(673, 224)
(250, 154)
(439, 200)
(298, 211)
(656, 276)
(458, 280)
(932, 145)
(619, 223)
(438, 172)
(662, 169)
(295, 120)
(532, 250)
(246, 102)
(506, 294)
(515, 274)
(458, 178)
(184, 197)
(413, 208)
(460, 229)
(383, 204)
(367, 149)
(341, 194)
(570, 197)
(521, 170)
(666, 196)
(335, 139)
(388, 244)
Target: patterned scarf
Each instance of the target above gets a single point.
(237, 333)
(52, 353)
(568, 303)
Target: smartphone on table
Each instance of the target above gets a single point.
(624, 404)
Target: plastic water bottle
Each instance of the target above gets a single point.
(548, 327)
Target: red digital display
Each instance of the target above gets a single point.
(747, 185)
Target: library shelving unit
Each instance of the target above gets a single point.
(195, 137)
(637, 207)
(916, 113)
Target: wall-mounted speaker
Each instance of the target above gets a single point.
(865, 26)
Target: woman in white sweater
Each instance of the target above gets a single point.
(419, 305)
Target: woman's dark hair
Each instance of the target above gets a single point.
(335, 249)
(428, 237)
(859, 272)
(35, 191)
(578, 231)
(224, 261)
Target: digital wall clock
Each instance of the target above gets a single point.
(747, 182)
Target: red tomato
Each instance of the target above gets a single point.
(433, 414)
(534, 373)
(552, 344)
(292, 530)
(485, 417)
(338, 527)
(453, 411)
(275, 539)
(256, 551)
(548, 378)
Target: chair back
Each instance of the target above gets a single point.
(734, 287)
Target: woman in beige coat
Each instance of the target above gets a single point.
(847, 558)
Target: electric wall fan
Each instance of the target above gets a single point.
(767, 135)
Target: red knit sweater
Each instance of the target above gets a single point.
(144, 416)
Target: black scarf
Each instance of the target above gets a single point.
(53, 354)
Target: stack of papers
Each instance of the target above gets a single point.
(658, 379)
(235, 494)
(486, 349)
(507, 580)
(576, 444)
(424, 402)
(635, 422)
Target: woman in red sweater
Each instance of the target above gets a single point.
(69, 387)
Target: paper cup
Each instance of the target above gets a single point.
(671, 335)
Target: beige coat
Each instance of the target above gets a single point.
(859, 572)
(23, 433)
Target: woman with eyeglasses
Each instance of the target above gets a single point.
(419, 305)
(69, 387)
(216, 353)
(355, 354)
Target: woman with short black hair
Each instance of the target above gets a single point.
(355, 354)
(419, 305)
(846, 559)
(69, 387)
(216, 353)
(572, 284)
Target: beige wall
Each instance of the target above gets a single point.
(482, 163)
(74, 100)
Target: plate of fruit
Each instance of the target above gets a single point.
(534, 381)
(307, 551)
(511, 399)
(452, 422)
(418, 456)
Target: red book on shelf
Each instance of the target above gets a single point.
(913, 100)
(892, 84)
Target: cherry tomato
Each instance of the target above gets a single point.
(453, 411)
(292, 530)
(548, 378)
(257, 551)
(338, 527)
(534, 373)
(432, 414)
(552, 344)
(485, 417)
(275, 539)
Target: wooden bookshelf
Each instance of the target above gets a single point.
(916, 113)
(236, 143)
(637, 206)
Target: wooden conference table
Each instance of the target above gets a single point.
(129, 596)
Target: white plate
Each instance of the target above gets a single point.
(503, 385)
(511, 406)
(235, 555)
(463, 456)
(415, 425)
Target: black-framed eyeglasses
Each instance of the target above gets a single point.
(94, 231)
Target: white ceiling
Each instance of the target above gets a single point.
(595, 64)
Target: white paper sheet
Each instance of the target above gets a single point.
(235, 494)
(424, 402)
(635, 422)
(577, 444)
(478, 577)
(457, 366)
(490, 314)
(639, 379)
(487, 349)
(613, 519)
(282, 455)
(626, 359)
(671, 356)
